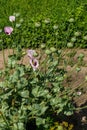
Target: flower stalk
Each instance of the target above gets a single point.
(3, 56)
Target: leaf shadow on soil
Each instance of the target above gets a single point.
(81, 118)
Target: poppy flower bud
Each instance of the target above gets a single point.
(11, 18)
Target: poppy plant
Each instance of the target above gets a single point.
(8, 30)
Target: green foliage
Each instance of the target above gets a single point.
(62, 126)
(65, 18)
(47, 31)
(37, 94)
(27, 94)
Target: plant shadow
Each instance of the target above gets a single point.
(81, 118)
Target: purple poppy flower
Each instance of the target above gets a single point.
(34, 63)
(31, 53)
(11, 18)
(8, 30)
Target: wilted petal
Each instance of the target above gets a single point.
(11, 18)
(8, 30)
(31, 53)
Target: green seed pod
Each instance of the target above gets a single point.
(73, 39)
(55, 27)
(85, 37)
(70, 45)
(35, 54)
(37, 24)
(78, 69)
(53, 49)
(48, 52)
(71, 20)
(43, 46)
(47, 21)
(0, 30)
(77, 34)
(81, 55)
(59, 51)
(0, 40)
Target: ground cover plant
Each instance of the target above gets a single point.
(36, 93)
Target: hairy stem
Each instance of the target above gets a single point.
(81, 108)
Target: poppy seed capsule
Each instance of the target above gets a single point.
(77, 34)
(85, 37)
(53, 49)
(48, 52)
(43, 46)
(71, 20)
(47, 21)
(73, 39)
(70, 45)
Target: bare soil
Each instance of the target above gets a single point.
(73, 80)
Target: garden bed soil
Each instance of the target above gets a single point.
(74, 79)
